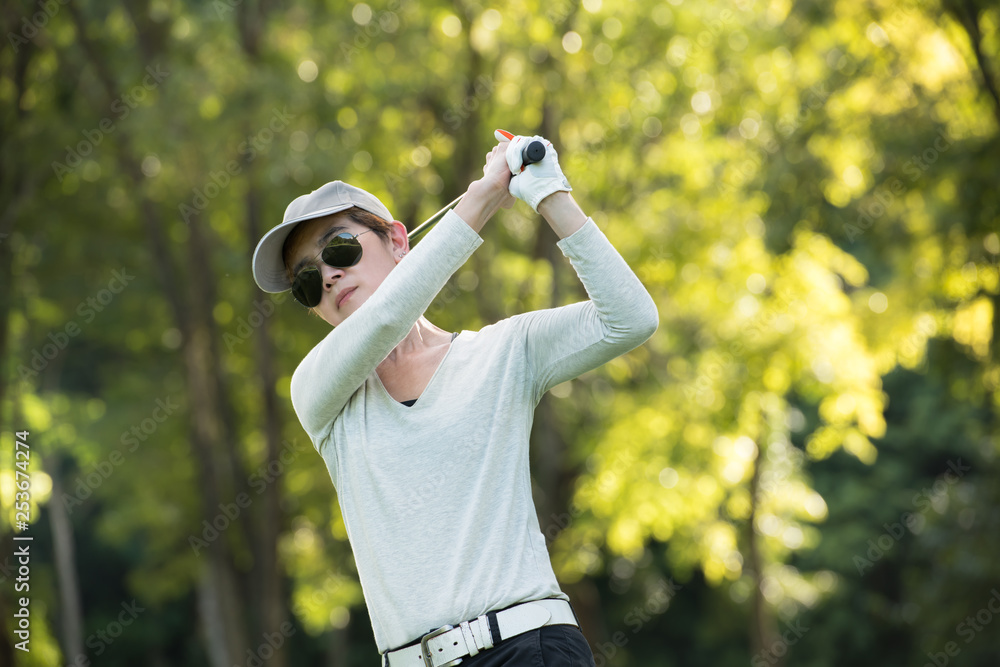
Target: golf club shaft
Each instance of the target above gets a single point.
(425, 226)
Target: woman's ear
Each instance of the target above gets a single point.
(400, 239)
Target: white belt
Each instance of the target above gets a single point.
(447, 645)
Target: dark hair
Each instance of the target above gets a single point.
(382, 228)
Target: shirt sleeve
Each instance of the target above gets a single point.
(339, 364)
(562, 343)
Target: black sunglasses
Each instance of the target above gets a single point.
(343, 251)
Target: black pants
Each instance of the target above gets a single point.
(548, 646)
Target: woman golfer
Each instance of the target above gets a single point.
(424, 431)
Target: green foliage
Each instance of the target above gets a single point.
(808, 190)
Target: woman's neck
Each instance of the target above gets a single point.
(422, 336)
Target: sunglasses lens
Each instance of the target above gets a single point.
(307, 288)
(343, 251)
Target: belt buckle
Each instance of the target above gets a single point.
(428, 658)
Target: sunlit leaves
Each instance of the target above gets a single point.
(974, 326)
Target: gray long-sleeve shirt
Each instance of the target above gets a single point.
(436, 497)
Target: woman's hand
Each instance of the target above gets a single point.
(535, 182)
(489, 193)
(542, 185)
(496, 171)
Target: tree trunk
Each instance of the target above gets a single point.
(70, 607)
(222, 590)
(267, 579)
(967, 14)
(273, 610)
(761, 623)
(337, 648)
(215, 599)
(15, 187)
(219, 591)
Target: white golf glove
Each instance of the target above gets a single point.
(537, 181)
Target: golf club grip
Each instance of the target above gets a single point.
(532, 153)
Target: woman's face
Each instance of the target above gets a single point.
(344, 290)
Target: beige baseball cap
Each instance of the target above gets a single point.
(334, 197)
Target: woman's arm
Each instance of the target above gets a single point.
(562, 213)
(334, 369)
(562, 343)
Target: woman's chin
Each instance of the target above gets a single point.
(337, 315)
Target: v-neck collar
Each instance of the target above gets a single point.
(430, 383)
